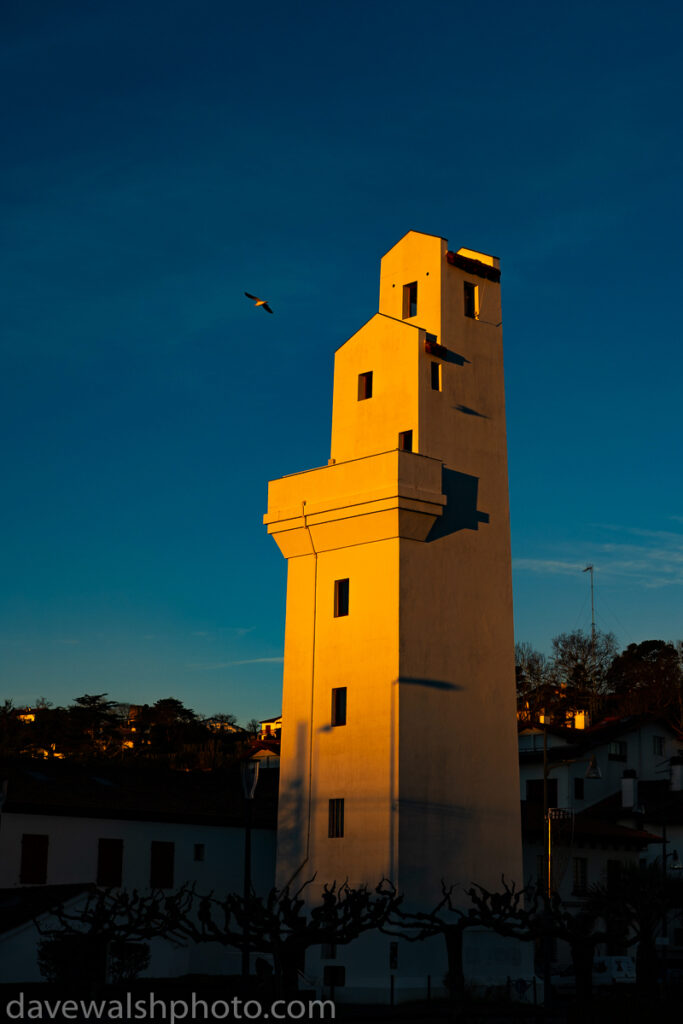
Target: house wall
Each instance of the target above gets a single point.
(640, 756)
(72, 858)
(72, 851)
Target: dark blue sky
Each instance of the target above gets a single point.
(161, 158)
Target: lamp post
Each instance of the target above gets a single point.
(550, 813)
(250, 770)
(554, 814)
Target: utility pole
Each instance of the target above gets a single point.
(590, 569)
(250, 772)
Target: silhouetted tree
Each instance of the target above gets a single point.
(169, 731)
(79, 936)
(635, 905)
(531, 915)
(283, 924)
(444, 919)
(580, 666)
(535, 687)
(11, 730)
(646, 678)
(94, 726)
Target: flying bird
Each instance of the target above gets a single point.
(259, 302)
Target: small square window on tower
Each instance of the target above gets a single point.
(471, 300)
(405, 441)
(436, 376)
(339, 705)
(364, 386)
(341, 598)
(335, 828)
(409, 300)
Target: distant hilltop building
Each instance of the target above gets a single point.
(399, 756)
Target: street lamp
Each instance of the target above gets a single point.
(550, 814)
(250, 770)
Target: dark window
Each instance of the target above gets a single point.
(341, 598)
(109, 861)
(199, 851)
(618, 751)
(405, 441)
(436, 376)
(339, 705)
(534, 792)
(335, 828)
(328, 951)
(658, 745)
(364, 385)
(393, 956)
(33, 870)
(578, 789)
(580, 876)
(409, 300)
(161, 865)
(470, 300)
(334, 976)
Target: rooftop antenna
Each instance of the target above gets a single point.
(590, 569)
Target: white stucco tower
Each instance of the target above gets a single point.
(399, 751)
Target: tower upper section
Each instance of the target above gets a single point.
(395, 381)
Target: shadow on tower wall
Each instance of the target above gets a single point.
(460, 512)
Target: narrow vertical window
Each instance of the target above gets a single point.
(471, 300)
(341, 598)
(199, 851)
(339, 705)
(33, 870)
(580, 876)
(405, 441)
(436, 376)
(364, 386)
(578, 789)
(109, 862)
(409, 300)
(335, 828)
(161, 865)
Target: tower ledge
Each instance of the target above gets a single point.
(393, 494)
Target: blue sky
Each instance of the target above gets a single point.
(163, 158)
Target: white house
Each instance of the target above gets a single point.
(65, 826)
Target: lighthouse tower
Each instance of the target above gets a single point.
(399, 752)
